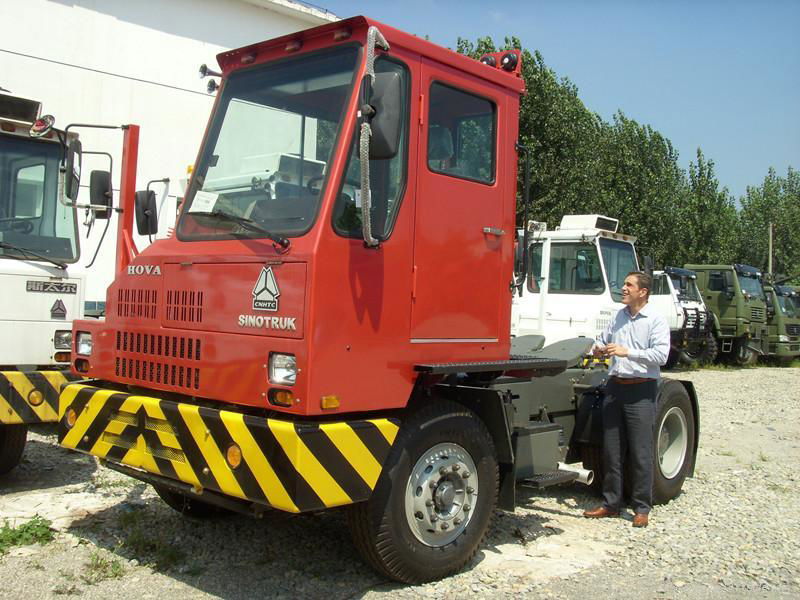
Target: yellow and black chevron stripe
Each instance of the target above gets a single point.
(295, 466)
(18, 405)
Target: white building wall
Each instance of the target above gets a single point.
(125, 61)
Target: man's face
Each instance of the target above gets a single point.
(631, 292)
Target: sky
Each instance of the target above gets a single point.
(721, 75)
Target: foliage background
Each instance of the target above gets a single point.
(581, 163)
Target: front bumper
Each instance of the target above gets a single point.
(19, 405)
(784, 349)
(295, 466)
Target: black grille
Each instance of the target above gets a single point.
(184, 306)
(152, 362)
(793, 329)
(141, 303)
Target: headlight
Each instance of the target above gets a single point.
(62, 340)
(84, 343)
(282, 369)
(783, 338)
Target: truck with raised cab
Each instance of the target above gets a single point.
(332, 328)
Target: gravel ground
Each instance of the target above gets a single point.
(734, 531)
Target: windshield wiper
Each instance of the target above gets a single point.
(244, 222)
(30, 253)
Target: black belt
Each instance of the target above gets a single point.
(630, 380)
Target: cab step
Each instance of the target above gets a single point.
(544, 480)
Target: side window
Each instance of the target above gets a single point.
(660, 286)
(716, 283)
(29, 191)
(575, 269)
(387, 177)
(535, 268)
(461, 134)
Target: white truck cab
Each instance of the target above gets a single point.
(575, 277)
(676, 296)
(39, 244)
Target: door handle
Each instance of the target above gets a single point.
(493, 231)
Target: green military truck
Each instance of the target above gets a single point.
(783, 318)
(735, 296)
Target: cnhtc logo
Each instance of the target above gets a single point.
(266, 292)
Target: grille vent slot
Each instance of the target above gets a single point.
(793, 329)
(184, 306)
(757, 314)
(151, 366)
(140, 303)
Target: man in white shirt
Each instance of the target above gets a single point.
(637, 341)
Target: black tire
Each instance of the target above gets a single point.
(673, 442)
(382, 526)
(188, 506)
(743, 355)
(12, 445)
(592, 458)
(704, 353)
(672, 359)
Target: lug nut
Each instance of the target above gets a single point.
(467, 508)
(456, 521)
(444, 526)
(434, 518)
(456, 468)
(432, 485)
(465, 474)
(419, 515)
(442, 471)
(429, 503)
(470, 490)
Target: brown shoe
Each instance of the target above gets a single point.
(640, 520)
(600, 512)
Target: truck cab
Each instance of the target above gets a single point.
(736, 298)
(783, 310)
(39, 244)
(676, 296)
(574, 283)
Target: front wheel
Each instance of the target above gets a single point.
(432, 504)
(673, 447)
(12, 444)
(743, 355)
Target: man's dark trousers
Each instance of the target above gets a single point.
(629, 412)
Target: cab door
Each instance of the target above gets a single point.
(463, 233)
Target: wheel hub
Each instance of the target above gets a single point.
(441, 493)
(673, 440)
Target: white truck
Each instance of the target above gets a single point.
(41, 292)
(575, 277)
(676, 296)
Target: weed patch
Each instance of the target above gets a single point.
(100, 568)
(146, 543)
(35, 531)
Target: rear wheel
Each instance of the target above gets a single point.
(432, 504)
(673, 445)
(186, 505)
(12, 444)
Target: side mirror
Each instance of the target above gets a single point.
(386, 98)
(648, 265)
(72, 169)
(146, 213)
(100, 193)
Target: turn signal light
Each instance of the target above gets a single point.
(233, 455)
(328, 402)
(35, 398)
(281, 397)
(64, 357)
(72, 417)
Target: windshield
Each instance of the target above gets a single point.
(789, 306)
(31, 217)
(686, 288)
(752, 286)
(269, 147)
(619, 259)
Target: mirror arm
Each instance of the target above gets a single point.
(62, 166)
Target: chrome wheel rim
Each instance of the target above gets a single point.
(673, 441)
(441, 494)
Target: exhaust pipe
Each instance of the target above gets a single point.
(585, 476)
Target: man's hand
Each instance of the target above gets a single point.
(599, 351)
(616, 350)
